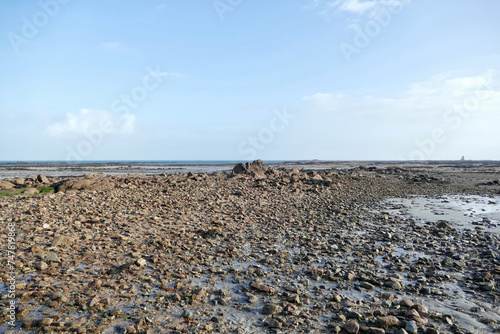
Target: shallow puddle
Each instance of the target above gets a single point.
(463, 212)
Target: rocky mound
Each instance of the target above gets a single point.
(85, 184)
(255, 169)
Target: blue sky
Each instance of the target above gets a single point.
(239, 80)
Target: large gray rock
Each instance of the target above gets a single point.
(256, 168)
(19, 181)
(42, 178)
(85, 184)
(6, 185)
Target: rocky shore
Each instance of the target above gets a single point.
(255, 250)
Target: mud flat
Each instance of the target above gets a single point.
(361, 249)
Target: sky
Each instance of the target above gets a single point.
(243, 80)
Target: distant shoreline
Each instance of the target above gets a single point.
(12, 169)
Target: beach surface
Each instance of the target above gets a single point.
(295, 247)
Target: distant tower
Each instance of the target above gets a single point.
(463, 158)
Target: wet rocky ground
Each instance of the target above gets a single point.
(266, 251)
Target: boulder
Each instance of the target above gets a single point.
(19, 181)
(85, 184)
(42, 178)
(256, 168)
(6, 185)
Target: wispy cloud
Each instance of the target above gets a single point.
(85, 121)
(423, 102)
(119, 47)
(370, 8)
(157, 73)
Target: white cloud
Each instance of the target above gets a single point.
(325, 101)
(356, 7)
(419, 101)
(464, 111)
(88, 120)
(157, 73)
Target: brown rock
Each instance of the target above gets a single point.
(262, 287)
(406, 303)
(351, 327)
(36, 249)
(6, 185)
(42, 178)
(256, 168)
(19, 181)
(199, 294)
(271, 308)
(30, 323)
(141, 262)
(375, 330)
(85, 184)
(41, 266)
(46, 322)
(387, 321)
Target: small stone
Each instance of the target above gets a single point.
(387, 296)
(387, 321)
(422, 310)
(131, 329)
(367, 286)
(30, 323)
(261, 287)
(273, 323)
(253, 299)
(36, 249)
(354, 315)
(444, 225)
(411, 327)
(96, 300)
(271, 308)
(412, 313)
(199, 294)
(376, 330)
(46, 322)
(141, 262)
(187, 314)
(431, 331)
(394, 284)
(406, 303)
(351, 327)
(52, 257)
(41, 266)
(294, 299)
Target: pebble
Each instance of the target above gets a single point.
(411, 327)
(351, 327)
(271, 308)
